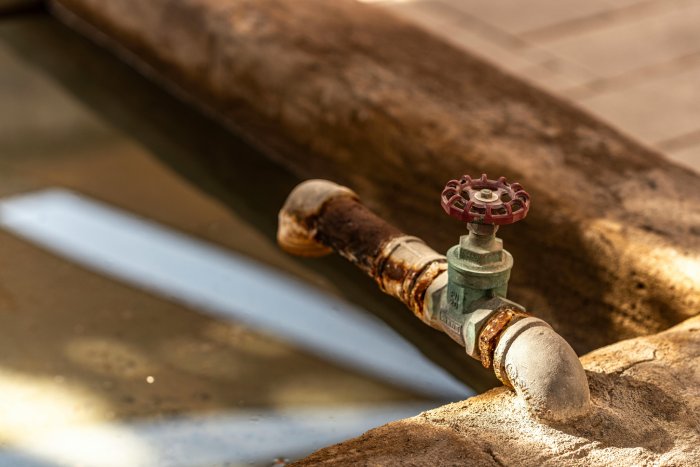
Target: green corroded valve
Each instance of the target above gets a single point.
(478, 267)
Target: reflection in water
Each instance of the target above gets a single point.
(216, 281)
(230, 439)
(220, 283)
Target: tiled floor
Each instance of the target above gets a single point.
(634, 63)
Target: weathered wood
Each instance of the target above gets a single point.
(344, 91)
(646, 411)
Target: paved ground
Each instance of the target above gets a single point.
(634, 63)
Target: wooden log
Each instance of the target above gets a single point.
(344, 91)
(646, 411)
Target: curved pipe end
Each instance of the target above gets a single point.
(544, 370)
(296, 229)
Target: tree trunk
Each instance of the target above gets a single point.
(344, 91)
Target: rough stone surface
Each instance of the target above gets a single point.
(646, 411)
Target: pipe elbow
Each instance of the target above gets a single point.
(296, 231)
(543, 370)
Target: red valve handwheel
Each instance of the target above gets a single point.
(485, 201)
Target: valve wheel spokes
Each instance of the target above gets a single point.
(485, 201)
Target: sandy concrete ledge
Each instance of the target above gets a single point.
(646, 398)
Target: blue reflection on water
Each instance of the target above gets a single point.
(216, 281)
(229, 286)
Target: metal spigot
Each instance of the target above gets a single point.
(462, 294)
(476, 309)
(479, 264)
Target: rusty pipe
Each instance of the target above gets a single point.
(319, 217)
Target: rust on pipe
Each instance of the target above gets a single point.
(491, 333)
(296, 228)
(405, 268)
(355, 232)
(320, 216)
